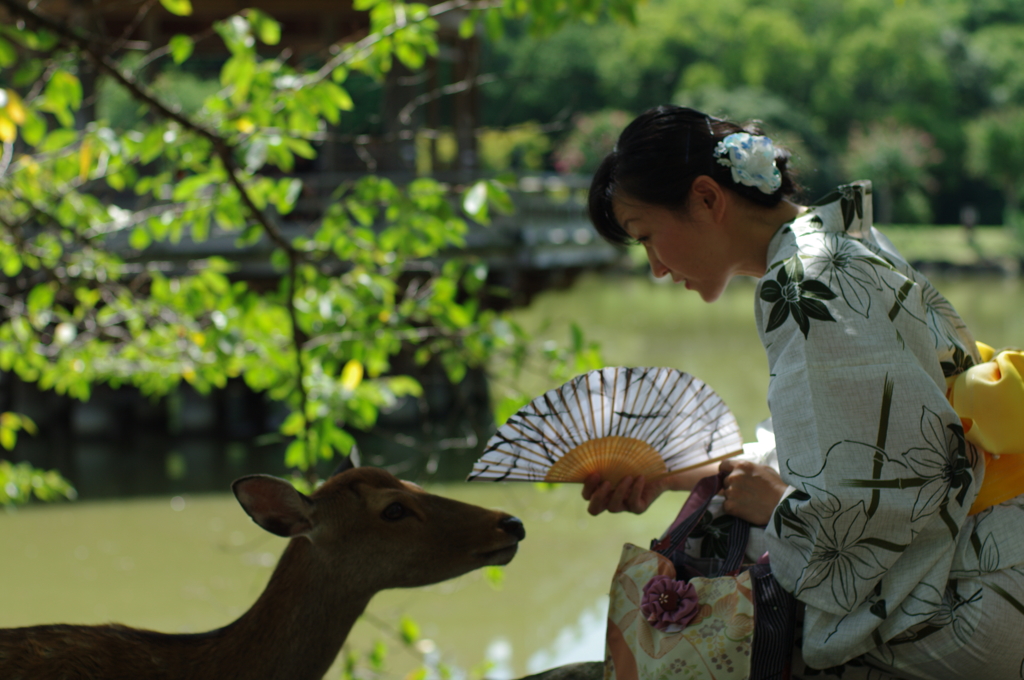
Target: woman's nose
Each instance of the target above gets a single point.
(657, 268)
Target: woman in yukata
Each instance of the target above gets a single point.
(879, 516)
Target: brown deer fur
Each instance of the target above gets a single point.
(361, 532)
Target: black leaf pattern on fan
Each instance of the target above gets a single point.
(617, 421)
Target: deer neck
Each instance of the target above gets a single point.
(297, 626)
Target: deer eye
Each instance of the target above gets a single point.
(393, 512)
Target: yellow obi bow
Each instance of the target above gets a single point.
(989, 398)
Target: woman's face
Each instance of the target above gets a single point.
(688, 245)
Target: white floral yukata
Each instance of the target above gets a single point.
(874, 536)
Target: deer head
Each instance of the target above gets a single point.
(401, 535)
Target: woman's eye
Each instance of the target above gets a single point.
(393, 512)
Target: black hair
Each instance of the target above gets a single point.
(657, 158)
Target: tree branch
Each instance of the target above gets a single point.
(138, 217)
(355, 50)
(166, 49)
(222, 148)
(5, 159)
(405, 115)
(140, 16)
(15, 230)
(105, 63)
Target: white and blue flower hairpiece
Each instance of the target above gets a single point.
(752, 161)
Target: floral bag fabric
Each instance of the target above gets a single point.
(673, 616)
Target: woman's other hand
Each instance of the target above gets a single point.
(751, 491)
(634, 494)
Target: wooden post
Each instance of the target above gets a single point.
(466, 106)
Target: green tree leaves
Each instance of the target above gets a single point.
(482, 196)
(816, 74)
(10, 424)
(181, 47)
(994, 152)
(19, 483)
(179, 7)
(62, 96)
(368, 272)
(264, 26)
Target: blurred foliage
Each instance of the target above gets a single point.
(435, 151)
(995, 151)
(562, 363)
(179, 89)
(821, 74)
(898, 159)
(81, 198)
(520, 148)
(592, 137)
(19, 483)
(373, 664)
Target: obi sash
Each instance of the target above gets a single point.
(989, 398)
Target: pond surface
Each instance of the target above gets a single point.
(196, 562)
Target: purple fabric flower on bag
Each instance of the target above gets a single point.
(669, 605)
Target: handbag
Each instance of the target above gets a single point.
(672, 615)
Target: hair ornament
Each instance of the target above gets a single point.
(752, 161)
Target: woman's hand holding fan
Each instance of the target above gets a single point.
(635, 494)
(632, 494)
(616, 423)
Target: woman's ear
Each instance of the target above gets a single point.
(708, 196)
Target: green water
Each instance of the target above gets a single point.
(194, 563)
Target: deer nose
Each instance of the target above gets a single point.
(514, 526)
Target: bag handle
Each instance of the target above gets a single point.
(689, 517)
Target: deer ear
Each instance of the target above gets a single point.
(348, 462)
(274, 504)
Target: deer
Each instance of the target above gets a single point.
(362, 531)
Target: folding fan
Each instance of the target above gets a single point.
(616, 421)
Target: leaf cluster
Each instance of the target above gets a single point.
(19, 483)
(366, 271)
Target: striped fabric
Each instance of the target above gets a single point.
(774, 624)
